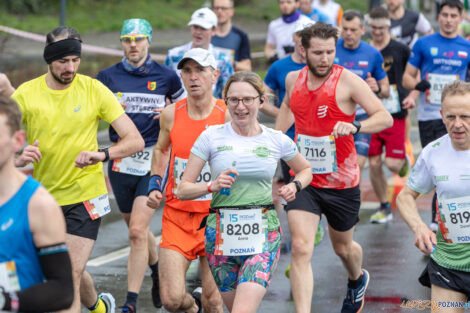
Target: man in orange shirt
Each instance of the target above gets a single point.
(180, 125)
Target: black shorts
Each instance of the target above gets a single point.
(434, 274)
(127, 187)
(430, 131)
(340, 206)
(79, 222)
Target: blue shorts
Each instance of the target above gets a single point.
(362, 141)
(127, 187)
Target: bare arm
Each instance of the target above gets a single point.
(5, 86)
(269, 107)
(410, 78)
(269, 50)
(382, 85)
(285, 118)
(410, 101)
(303, 173)
(243, 65)
(424, 237)
(161, 152)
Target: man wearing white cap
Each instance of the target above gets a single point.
(182, 240)
(203, 27)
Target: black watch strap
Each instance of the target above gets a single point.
(357, 125)
(298, 185)
(106, 154)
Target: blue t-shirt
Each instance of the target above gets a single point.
(362, 60)
(446, 57)
(276, 80)
(317, 16)
(140, 94)
(235, 44)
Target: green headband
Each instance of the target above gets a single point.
(137, 26)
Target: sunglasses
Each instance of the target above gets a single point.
(133, 38)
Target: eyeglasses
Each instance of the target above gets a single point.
(134, 38)
(233, 101)
(221, 8)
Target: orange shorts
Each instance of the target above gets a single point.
(179, 232)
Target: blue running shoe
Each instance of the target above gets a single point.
(354, 301)
(128, 309)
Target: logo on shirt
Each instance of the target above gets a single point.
(151, 86)
(7, 224)
(262, 152)
(224, 148)
(441, 178)
(77, 108)
(322, 109)
(434, 51)
(448, 54)
(363, 63)
(462, 54)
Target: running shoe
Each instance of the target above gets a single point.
(405, 168)
(433, 226)
(409, 151)
(381, 217)
(197, 294)
(157, 301)
(109, 302)
(128, 309)
(354, 301)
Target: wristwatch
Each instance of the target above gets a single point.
(357, 125)
(298, 185)
(106, 154)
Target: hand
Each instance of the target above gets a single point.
(342, 129)
(224, 180)
(87, 158)
(158, 111)
(372, 83)
(124, 105)
(425, 239)
(408, 103)
(423, 85)
(30, 154)
(154, 198)
(287, 192)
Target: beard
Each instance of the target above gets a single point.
(61, 80)
(315, 72)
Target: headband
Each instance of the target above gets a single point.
(381, 21)
(62, 48)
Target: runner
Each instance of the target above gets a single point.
(35, 269)
(229, 39)
(321, 99)
(203, 27)
(279, 42)
(406, 24)
(142, 86)
(180, 125)
(5, 86)
(366, 61)
(443, 164)
(440, 58)
(242, 261)
(306, 8)
(395, 57)
(61, 111)
(330, 8)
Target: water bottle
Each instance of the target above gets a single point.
(226, 191)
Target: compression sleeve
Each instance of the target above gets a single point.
(56, 292)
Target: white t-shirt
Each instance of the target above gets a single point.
(280, 34)
(255, 160)
(331, 8)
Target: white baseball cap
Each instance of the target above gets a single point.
(204, 17)
(202, 56)
(302, 25)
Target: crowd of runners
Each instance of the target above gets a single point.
(186, 135)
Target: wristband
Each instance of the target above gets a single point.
(298, 185)
(378, 91)
(209, 185)
(106, 154)
(155, 183)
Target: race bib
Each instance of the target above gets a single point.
(8, 277)
(241, 232)
(454, 220)
(438, 82)
(98, 207)
(392, 103)
(320, 152)
(137, 164)
(204, 177)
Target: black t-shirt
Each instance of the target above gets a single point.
(396, 56)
